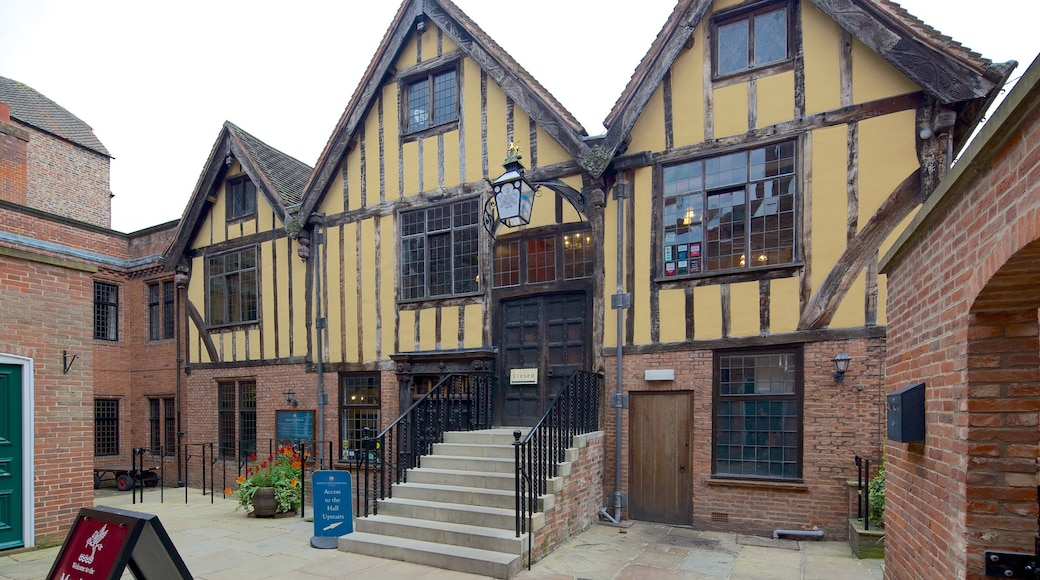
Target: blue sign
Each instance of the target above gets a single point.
(333, 509)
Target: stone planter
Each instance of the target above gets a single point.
(264, 503)
(866, 543)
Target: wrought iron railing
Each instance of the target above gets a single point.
(573, 411)
(459, 402)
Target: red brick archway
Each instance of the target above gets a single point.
(1001, 409)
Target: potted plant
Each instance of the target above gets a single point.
(271, 486)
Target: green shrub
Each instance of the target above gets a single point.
(876, 489)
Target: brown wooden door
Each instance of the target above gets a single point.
(549, 333)
(660, 456)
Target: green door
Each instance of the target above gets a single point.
(10, 456)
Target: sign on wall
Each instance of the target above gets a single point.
(523, 376)
(296, 425)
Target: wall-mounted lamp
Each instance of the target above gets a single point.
(289, 398)
(841, 366)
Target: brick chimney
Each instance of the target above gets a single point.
(14, 180)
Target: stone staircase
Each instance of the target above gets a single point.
(457, 511)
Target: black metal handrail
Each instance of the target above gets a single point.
(459, 402)
(573, 411)
(863, 490)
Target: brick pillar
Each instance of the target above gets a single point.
(1002, 406)
(14, 180)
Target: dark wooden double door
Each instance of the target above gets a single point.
(549, 333)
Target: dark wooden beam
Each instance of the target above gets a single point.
(860, 250)
(200, 324)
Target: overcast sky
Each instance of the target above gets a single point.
(156, 80)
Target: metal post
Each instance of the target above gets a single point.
(319, 323)
(620, 194)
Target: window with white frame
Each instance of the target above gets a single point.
(730, 212)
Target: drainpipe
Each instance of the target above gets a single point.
(619, 302)
(813, 533)
(180, 280)
(319, 323)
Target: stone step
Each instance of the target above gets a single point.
(475, 450)
(478, 464)
(497, 498)
(503, 519)
(457, 558)
(496, 436)
(503, 481)
(444, 533)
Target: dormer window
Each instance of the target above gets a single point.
(430, 100)
(751, 39)
(241, 198)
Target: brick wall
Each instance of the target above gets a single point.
(839, 422)
(68, 180)
(47, 309)
(14, 179)
(963, 299)
(577, 503)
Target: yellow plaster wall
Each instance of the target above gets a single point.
(744, 309)
(648, 132)
(731, 110)
(688, 92)
(332, 203)
(821, 41)
(882, 299)
(354, 179)
(409, 55)
(447, 44)
(707, 312)
(428, 329)
(887, 155)
(471, 101)
(430, 164)
(284, 254)
(391, 141)
(331, 285)
(851, 311)
(474, 326)
(449, 328)
(451, 158)
(406, 330)
(672, 309)
(829, 199)
(874, 78)
(640, 246)
(350, 291)
(775, 99)
(410, 156)
(723, 4)
(266, 263)
(371, 159)
(299, 283)
(783, 304)
(387, 276)
(368, 289)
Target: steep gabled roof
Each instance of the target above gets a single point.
(32, 108)
(279, 178)
(942, 67)
(500, 67)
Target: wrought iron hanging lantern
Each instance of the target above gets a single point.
(512, 195)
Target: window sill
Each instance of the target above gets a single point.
(757, 484)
